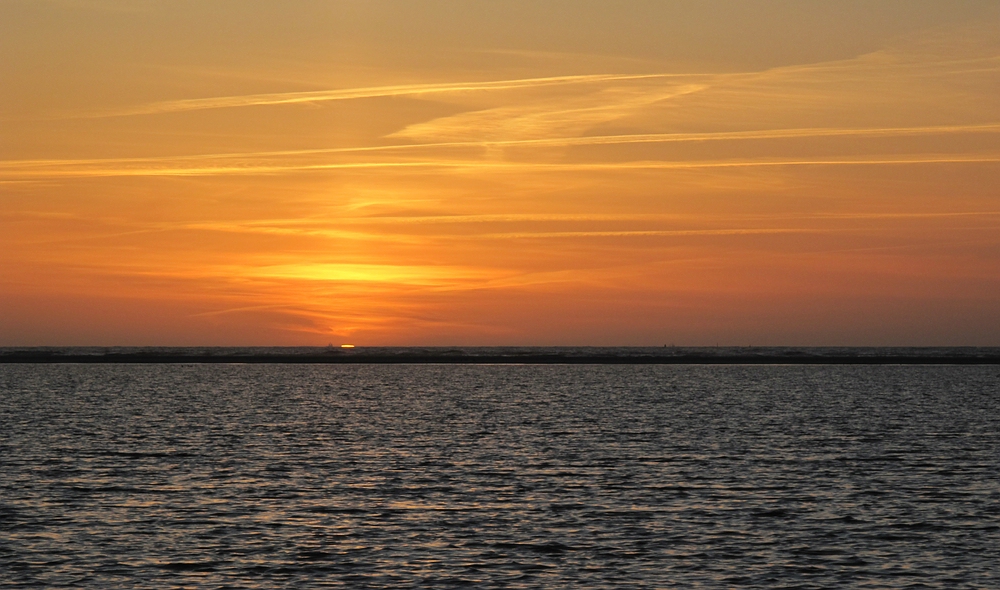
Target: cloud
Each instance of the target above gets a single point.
(366, 273)
(487, 166)
(274, 162)
(543, 119)
(653, 233)
(287, 98)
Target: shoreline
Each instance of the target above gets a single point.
(528, 356)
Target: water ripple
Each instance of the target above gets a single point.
(365, 476)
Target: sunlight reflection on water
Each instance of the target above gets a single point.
(499, 476)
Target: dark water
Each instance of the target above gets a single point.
(245, 476)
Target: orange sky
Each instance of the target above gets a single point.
(380, 172)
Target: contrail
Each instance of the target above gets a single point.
(19, 171)
(279, 98)
(482, 166)
(652, 233)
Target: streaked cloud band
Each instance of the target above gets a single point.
(286, 98)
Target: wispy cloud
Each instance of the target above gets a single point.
(773, 162)
(270, 162)
(487, 166)
(653, 233)
(287, 98)
(542, 119)
(367, 273)
(309, 225)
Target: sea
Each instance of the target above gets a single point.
(239, 475)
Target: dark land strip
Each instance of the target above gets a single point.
(538, 356)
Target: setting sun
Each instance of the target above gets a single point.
(499, 293)
(499, 173)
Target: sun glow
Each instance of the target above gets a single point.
(366, 273)
(498, 175)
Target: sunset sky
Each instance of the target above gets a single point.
(472, 172)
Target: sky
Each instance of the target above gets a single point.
(472, 172)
